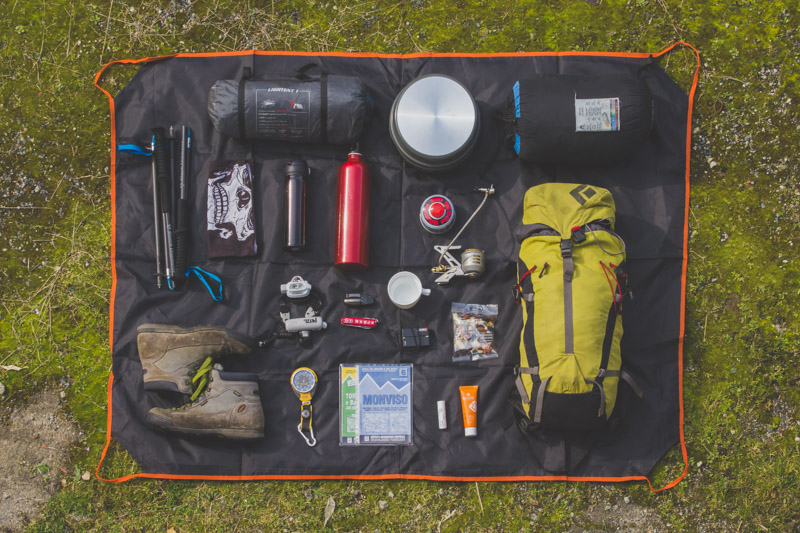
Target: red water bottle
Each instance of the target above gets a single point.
(352, 233)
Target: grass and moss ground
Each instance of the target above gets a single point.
(742, 337)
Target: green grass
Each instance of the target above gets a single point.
(741, 383)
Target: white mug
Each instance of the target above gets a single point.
(405, 290)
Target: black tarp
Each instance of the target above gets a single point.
(650, 190)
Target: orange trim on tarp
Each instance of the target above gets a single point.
(108, 434)
(113, 176)
(278, 477)
(685, 265)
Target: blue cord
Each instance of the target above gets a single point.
(134, 149)
(204, 276)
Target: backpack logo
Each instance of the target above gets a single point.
(582, 191)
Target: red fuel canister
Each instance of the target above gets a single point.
(352, 233)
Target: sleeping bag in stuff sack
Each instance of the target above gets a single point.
(570, 283)
(325, 109)
(579, 119)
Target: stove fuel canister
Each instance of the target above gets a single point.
(437, 214)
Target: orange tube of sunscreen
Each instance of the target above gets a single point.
(469, 408)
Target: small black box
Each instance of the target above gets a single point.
(416, 337)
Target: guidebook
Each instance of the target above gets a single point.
(375, 405)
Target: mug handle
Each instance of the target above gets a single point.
(425, 292)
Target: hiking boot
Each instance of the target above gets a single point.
(171, 354)
(225, 404)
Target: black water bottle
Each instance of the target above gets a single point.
(295, 206)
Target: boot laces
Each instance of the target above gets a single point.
(200, 381)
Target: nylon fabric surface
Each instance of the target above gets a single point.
(650, 194)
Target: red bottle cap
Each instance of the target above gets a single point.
(437, 214)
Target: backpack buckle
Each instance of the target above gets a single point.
(578, 234)
(566, 248)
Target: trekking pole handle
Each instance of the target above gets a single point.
(161, 155)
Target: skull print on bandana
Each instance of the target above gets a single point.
(230, 229)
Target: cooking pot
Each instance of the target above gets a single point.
(434, 123)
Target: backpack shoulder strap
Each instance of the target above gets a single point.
(622, 374)
(518, 371)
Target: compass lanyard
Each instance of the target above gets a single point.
(305, 420)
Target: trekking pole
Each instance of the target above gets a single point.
(159, 275)
(182, 209)
(161, 155)
(172, 138)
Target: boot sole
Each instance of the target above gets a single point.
(232, 434)
(167, 328)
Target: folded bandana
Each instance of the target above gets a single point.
(231, 228)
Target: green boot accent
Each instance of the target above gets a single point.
(171, 354)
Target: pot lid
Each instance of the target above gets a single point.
(435, 116)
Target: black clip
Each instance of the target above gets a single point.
(517, 294)
(358, 300)
(544, 269)
(579, 235)
(566, 248)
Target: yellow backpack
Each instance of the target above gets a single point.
(570, 283)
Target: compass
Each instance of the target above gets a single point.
(304, 383)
